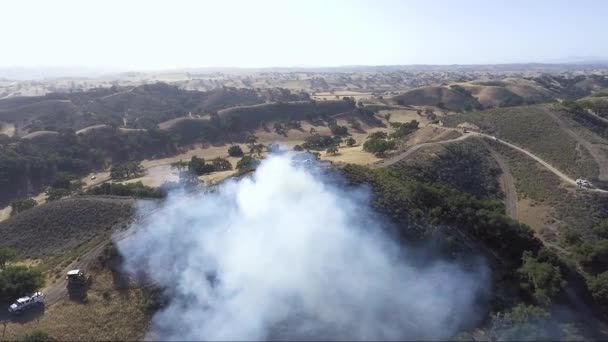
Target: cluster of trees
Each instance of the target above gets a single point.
(320, 142)
(432, 211)
(16, 281)
(128, 170)
(378, 143)
(282, 128)
(528, 323)
(403, 129)
(137, 189)
(199, 166)
(254, 147)
(29, 165)
(467, 167)
(336, 129)
(235, 151)
(543, 278)
(247, 163)
(63, 185)
(22, 205)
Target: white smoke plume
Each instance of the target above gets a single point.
(286, 254)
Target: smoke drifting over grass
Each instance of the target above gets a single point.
(288, 255)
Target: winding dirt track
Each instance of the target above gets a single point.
(405, 154)
(408, 152)
(58, 290)
(507, 183)
(596, 153)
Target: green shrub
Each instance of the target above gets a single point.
(338, 130)
(235, 151)
(320, 142)
(19, 206)
(546, 279)
(18, 281)
(378, 146)
(599, 289)
(38, 336)
(137, 189)
(127, 170)
(246, 163)
(221, 164)
(404, 129)
(54, 194)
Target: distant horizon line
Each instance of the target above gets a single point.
(598, 61)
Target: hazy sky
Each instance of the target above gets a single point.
(164, 34)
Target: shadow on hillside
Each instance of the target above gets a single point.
(121, 281)
(25, 317)
(370, 120)
(316, 122)
(78, 294)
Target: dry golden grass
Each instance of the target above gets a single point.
(159, 170)
(533, 214)
(5, 213)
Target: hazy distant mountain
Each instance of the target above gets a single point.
(37, 73)
(578, 60)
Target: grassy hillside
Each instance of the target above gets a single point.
(252, 116)
(53, 108)
(65, 228)
(142, 106)
(12, 102)
(463, 226)
(494, 96)
(438, 96)
(574, 211)
(533, 129)
(466, 166)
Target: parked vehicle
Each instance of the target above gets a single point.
(25, 303)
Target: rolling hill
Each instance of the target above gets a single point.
(61, 229)
(437, 96)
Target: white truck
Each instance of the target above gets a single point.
(25, 303)
(583, 183)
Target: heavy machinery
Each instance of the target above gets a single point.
(25, 303)
(76, 278)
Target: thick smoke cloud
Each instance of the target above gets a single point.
(287, 255)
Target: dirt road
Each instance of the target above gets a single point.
(408, 152)
(507, 183)
(596, 153)
(58, 290)
(405, 154)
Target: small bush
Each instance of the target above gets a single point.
(235, 151)
(38, 336)
(378, 146)
(22, 205)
